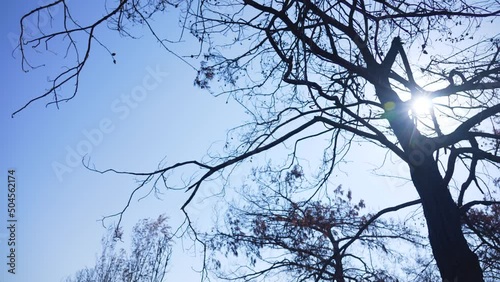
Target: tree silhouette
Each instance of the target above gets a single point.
(327, 240)
(148, 261)
(345, 72)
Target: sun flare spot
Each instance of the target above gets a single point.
(421, 106)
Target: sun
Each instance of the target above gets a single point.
(421, 106)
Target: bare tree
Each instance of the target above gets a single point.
(331, 239)
(344, 71)
(151, 252)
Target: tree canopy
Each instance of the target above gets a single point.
(419, 79)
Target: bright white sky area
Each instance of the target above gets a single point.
(58, 230)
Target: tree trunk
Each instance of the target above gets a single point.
(456, 262)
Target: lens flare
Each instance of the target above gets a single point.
(421, 106)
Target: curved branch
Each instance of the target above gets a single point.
(461, 132)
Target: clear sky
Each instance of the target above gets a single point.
(59, 202)
(58, 231)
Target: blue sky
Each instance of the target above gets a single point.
(58, 209)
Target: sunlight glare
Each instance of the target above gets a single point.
(421, 106)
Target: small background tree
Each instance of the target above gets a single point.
(151, 251)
